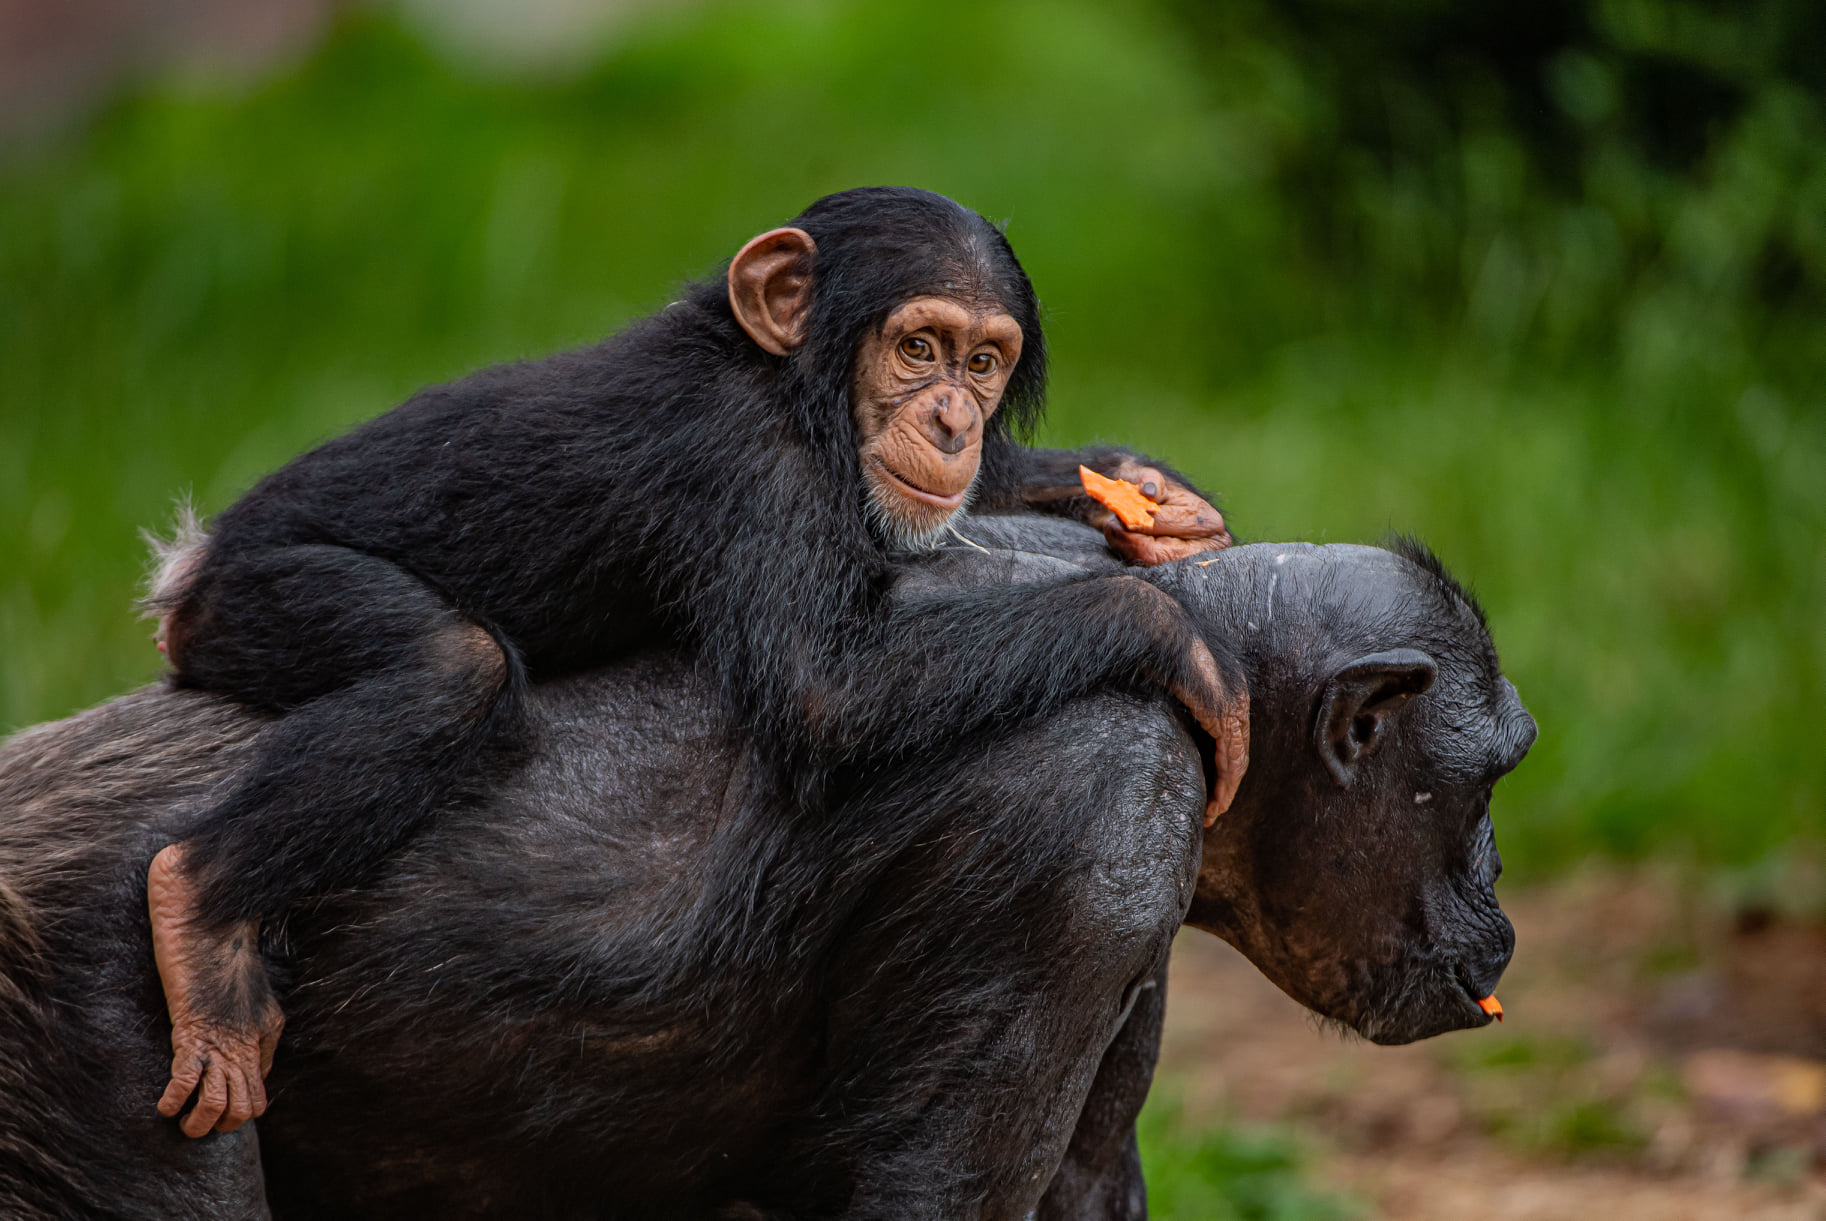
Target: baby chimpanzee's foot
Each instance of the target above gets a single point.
(225, 1021)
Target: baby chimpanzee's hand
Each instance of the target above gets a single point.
(1186, 523)
(1222, 712)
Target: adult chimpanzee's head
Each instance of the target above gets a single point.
(910, 314)
(1356, 866)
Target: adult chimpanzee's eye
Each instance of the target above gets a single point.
(915, 348)
(982, 364)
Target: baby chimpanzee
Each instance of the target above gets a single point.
(735, 474)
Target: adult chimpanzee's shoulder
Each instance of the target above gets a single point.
(1033, 534)
(994, 552)
(116, 755)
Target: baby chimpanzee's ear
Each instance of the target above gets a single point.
(1360, 702)
(770, 288)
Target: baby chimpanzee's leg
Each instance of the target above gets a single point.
(385, 695)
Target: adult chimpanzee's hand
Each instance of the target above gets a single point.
(1186, 523)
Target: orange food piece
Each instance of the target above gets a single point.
(1492, 1006)
(1120, 497)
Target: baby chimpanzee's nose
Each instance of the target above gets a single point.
(949, 424)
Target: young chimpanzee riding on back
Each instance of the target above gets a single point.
(737, 474)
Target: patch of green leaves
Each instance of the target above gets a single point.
(1225, 1172)
(1541, 1096)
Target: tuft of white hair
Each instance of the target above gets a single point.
(175, 561)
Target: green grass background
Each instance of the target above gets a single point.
(1352, 279)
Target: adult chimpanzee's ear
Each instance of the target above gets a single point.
(770, 288)
(1359, 701)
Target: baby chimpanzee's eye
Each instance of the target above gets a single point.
(983, 364)
(915, 348)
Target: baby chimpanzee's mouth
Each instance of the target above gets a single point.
(933, 498)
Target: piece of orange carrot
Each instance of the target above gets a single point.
(1120, 497)
(1492, 1006)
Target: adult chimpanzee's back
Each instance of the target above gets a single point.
(615, 987)
(732, 475)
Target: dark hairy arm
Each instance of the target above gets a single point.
(836, 658)
(950, 664)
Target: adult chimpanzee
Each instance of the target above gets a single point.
(616, 987)
(731, 475)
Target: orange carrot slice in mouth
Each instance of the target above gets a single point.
(1492, 1006)
(1120, 497)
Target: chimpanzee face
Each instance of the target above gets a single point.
(926, 383)
(1356, 868)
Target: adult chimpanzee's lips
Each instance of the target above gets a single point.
(912, 489)
(1484, 1001)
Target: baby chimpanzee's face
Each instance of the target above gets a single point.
(926, 383)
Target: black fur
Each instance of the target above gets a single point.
(391, 592)
(621, 987)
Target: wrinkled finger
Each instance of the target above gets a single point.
(235, 1113)
(1135, 548)
(1148, 551)
(256, 1095)
(1181, 548)
(1231, 755)
(269, 1043)
(1172, 522)
(184, 1073)
(212, 1100)
(246, 1099)
(1183, 515)
(1151, 482)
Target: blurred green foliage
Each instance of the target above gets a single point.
(1547, 1096)
(1356, 267)
(1223, 1172)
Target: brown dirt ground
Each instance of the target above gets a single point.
(1658, 1060)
